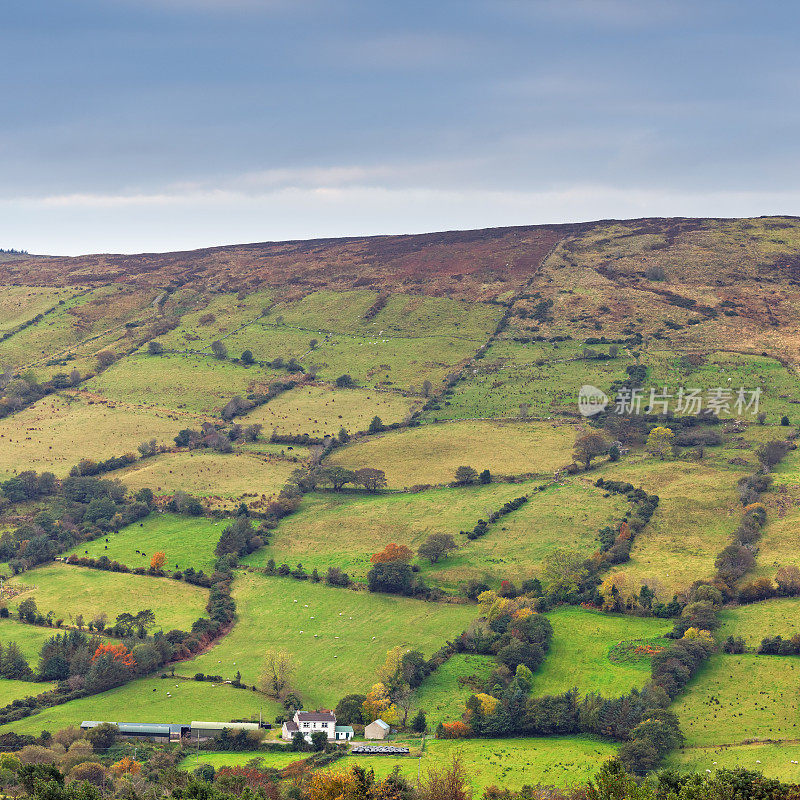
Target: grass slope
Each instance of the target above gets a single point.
(326, 667)
(432, 453)
(69, 591)
(186, 541)
(579, 653)
(779, 617)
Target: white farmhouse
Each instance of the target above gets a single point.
(307, 722)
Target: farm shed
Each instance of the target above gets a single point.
(343, 733)
(377, 730)
(210, 730)
(151, 731)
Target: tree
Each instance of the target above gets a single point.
(105, 358)
(276, 673)
(785, 421)
(659, 442)
(588, 447)
(563, 570)
(155, 348)
(437, 546)
(393, 578)
(318, 740)
(465, 476)
(247, 357)
(348, 709)
(448, 782)
(370, 478)
(393, 553)
(344, 382)
(420, 723)
(770, 453)
(102, 736)
(788, 579)
(485, 477)
(337, 477)
(299, 743)
(219, 350)
(376, 425)
(157, 561)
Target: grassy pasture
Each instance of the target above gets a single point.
(698, 512)
(512, 373)
(69, 591)
(16, 690)
(432, 453)
(403, 315)
(738, 698)
(186, 541)
(322, 410)
(567, 515)
(511, 763)
(267, 760)
(779, 544)
(223, 478)
(29, 638)
(149, 699)
(199, 384)
(58, 431)
(326, 668)
(732, 371)
(345, 530)
(441, 696)
(778, 617)
(228, 311)
(18, 304)
(773, 759)
(97, 315)
(579, 653)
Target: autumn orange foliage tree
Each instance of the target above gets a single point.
(126, 766)
(393, 553)
(157, 561)
(118, 652)
(455, 730)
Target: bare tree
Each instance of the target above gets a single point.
(276, 673)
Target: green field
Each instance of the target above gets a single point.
(441, 696)
(19, 304)
(579, 654)
(779, 545)
(774, 760)
(58, 431)
(510, 763)
(740, 698)
(323, 411)
(698, 512)
(16, 690)
(154, 700)
(70, 591)
(344, 530)
(186, 541)
(276, 613)
(224, 479)
(430, 454)
(512, 374)
(779, 617)
(198, 384)
(29, 638)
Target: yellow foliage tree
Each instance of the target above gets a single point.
(698, 635)
(659, 442)
(612, 592)
(377, 702)
(488, 703)
(126, 766)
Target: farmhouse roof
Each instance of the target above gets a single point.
(145, 728)
(344, 729)
(291, 726)
(316, 716)
(381, 724)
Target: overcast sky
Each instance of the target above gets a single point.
(132, 125)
